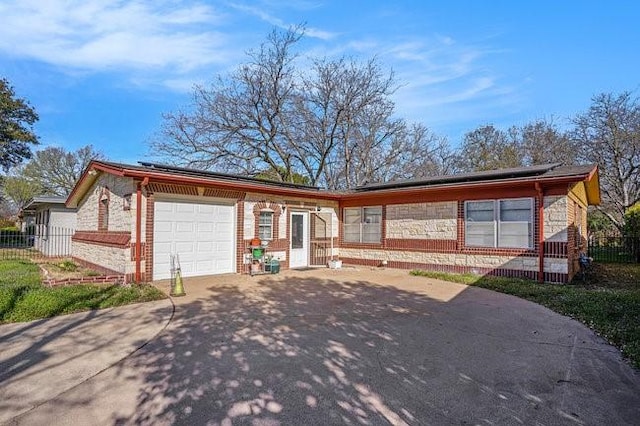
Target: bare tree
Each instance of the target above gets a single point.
(238, 123)
(608, 133)
(344, 103)
(55, 171)
(332, 124)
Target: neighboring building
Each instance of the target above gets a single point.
(524, 222)
(51, 223)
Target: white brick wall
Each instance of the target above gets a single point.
(436, 221)
(114, 258)
(555, 218)
(519, 263)
(119, 219)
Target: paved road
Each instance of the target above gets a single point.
(356, 347)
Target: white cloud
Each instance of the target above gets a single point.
(95, 35)
(277, 22)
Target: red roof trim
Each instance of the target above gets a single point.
(326, 195)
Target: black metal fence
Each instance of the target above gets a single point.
(45, 242)
(614, 248)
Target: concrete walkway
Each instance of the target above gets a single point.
(356, 346)
(42, 359)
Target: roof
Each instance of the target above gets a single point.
(555, 172)
(463, 177)
(223, 176)
(185, 176)
(38, 201)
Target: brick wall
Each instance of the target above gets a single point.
(431, 235)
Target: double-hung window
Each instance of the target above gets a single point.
(265, 225)
(504, 223)
(362, 224)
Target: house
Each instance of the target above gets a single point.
(51, 223)
(522, 222)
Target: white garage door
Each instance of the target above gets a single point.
(201, 234)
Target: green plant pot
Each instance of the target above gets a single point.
(257, 252)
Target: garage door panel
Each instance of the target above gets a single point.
(205, 247)
(184, 248)
(224, 247)
(163, 207)
(205, 227)
(185, 226)
(185, 207)
(205, 265)
(202, 234)
(163, 226)
(162, 247)
(207, 209)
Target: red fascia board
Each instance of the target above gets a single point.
(236, 186)
(93, 166)
(463, 185)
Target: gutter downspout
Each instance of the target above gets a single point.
(144, 182)
(540, 191)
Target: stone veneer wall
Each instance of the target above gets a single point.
(112, 257)
(460, 261)
(119, 218)
(555, 218)
(432, 221)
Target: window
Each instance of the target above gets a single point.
(499, 223)
(265, 225)
(362, 224)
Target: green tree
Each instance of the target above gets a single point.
(279, 173)
(19, 191)
(542, 142)
(16, 127)
(488, 148)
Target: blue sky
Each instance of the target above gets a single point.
(102, 72)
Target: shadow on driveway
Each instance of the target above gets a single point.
(359, 347)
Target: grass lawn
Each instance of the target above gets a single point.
(608, 303)
(23, 298)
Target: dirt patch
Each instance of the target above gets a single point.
(64, 269)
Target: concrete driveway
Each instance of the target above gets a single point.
(358, 347)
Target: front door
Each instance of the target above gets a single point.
(299, 250)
